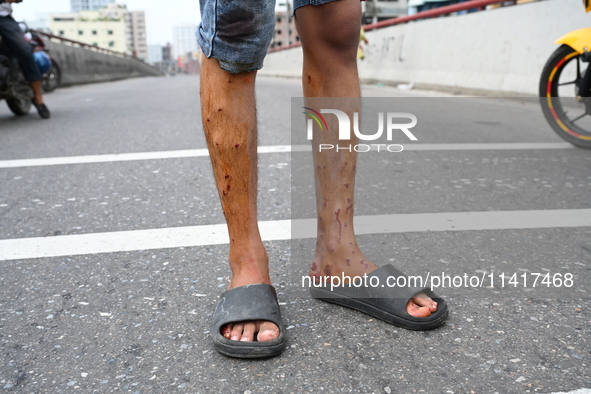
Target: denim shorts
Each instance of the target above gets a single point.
(238, 32)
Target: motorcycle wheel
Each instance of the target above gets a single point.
(51, 79)
(19, 107)
(568, 113)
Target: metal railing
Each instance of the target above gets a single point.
(468, 5)
(448, 9)
(84, 45)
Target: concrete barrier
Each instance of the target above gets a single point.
(81, 65)
(496, 52)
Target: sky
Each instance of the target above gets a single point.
(161, 16)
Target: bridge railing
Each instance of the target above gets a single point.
(449, 9)
(79, 44)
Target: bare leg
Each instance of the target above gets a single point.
(229, 121)
(36, 86)
(330, 37)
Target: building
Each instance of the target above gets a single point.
(184, 40)
(87, 5)
(161, 58)
(90, 28)
(113, 27)
(285, 32)
(137, 23)
(167, 52)
(155, 54)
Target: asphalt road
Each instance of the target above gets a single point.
(137, 319)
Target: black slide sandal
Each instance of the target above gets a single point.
(387, 303)
(248, 303)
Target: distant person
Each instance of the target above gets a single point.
(13, 38)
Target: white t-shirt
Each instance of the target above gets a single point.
(5, 9)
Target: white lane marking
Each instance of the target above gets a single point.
(175, 154)
(175, 237)
(579, 391)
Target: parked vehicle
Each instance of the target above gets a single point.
(565, 87)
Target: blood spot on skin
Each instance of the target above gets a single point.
(309, 78)
(327, 270)
(320, 218)
(229, 81)
(362, 262)
(228, 187)
(314, 267)
(219, 110)
(349, 208)
(226, 176)
(353, 252)
(236, 146)
(225, 194)
(338, 221)
(347, 185)
(318, 167)
(350, 243)
(232, 239)
(208, 120)
(345, 224)
(348, 263)
(346, 162)
(331, 250)
(247, 80)
(349, 200)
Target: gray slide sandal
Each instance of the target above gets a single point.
(387, 303)
(247, 303)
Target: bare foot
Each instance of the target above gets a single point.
(333, 260)
(257, 330)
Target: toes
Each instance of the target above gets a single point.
(267, 331)
(227, 331)
(248, 332)
(245, 331)
(423, 301)
(417, 310)
(237, 331)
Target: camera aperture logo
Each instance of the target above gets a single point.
(391, 119)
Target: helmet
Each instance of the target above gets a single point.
(587, 5)
(43, 61)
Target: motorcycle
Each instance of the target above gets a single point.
(13, 86)
(565, 87)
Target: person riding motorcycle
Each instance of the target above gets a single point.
(12, 37)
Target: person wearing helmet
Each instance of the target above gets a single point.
(13, 38)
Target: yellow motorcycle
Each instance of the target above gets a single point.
(565, 87)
